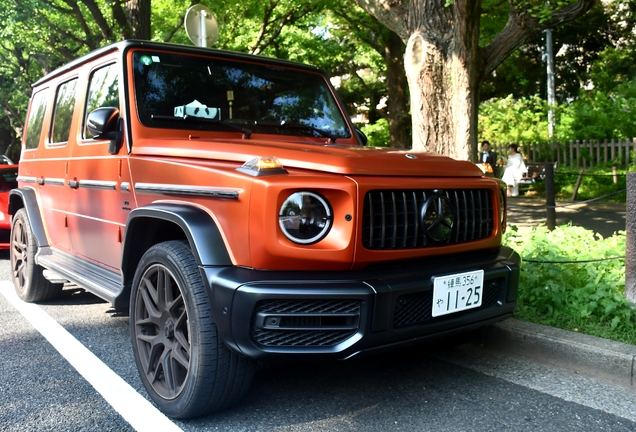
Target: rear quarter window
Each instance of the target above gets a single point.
(36, 119)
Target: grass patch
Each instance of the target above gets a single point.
(583, 297)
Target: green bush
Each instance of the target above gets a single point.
(513, 120)
(378, 133)
(596, 114)
(585, 297)
(594, 183)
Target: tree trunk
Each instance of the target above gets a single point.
(398, 115)
(139, 18)
(445, 65)
(443, 73)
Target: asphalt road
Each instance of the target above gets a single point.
(426, 388)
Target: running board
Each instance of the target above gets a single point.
(102, 282)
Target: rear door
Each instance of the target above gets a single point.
(46, 147)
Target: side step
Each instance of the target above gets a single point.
(53, 277)
(61, 267)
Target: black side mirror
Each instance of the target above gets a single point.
(361, 136)
(104, 123)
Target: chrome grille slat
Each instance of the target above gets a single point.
(392, 219)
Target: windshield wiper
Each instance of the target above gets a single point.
(246, 132)
(332, 137)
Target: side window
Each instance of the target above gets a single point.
(63, 114)
(36, 119)
(103, 91)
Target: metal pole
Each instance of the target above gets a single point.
(630, 252)
(203, 34)
(551, 91)
(549, 197)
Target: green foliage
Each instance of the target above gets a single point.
(577, 46)
(595, 115)
(510, 120)
(597, 182)
(601, 114)
(377, 133)
(586, 297)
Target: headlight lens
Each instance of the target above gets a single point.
(305, 217)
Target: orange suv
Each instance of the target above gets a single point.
(229, 204)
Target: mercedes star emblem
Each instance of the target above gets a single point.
(437, 218)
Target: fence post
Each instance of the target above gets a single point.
(630, 249)
(550, 221)
(577, 185)
(598, 152)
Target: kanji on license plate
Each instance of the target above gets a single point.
(457, 292)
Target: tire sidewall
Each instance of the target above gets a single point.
(24, 292)
(159, 254)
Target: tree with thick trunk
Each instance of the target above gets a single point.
(445, 66)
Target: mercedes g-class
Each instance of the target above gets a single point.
(230, 205)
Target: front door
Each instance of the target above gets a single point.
(101, 202)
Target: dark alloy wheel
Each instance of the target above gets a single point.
(28, 280)
(186, 368)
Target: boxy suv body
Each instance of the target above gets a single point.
(229, 204)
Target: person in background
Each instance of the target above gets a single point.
(514, 170)
(488, 157)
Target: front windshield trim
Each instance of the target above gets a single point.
(261, 97)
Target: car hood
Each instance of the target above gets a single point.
(332, 158)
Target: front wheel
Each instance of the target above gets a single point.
(28, 280)
(185, 366)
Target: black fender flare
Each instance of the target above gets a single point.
(201, 231)
(27, 199)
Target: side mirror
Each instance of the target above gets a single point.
(361, 136)
(104, 123)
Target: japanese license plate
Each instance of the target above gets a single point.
(457, 292)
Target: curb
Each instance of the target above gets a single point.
(583, 354)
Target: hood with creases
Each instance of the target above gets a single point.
(331, 158)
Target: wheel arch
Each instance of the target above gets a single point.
(27, 199)
(156, 223)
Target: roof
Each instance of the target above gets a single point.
(125, 45)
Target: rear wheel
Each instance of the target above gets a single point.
(185, 366)
(28, 279)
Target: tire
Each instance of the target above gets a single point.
(186, 368)
(28, 280)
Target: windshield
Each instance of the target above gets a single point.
(191, 92)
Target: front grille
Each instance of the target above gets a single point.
(417, 308)
(392, 218)
(305, 323)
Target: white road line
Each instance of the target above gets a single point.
(141, 414)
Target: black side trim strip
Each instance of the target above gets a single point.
(97, 184)
(186, 190)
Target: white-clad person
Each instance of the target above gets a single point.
(514, 170)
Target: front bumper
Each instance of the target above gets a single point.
(283, 315)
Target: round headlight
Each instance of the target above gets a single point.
(305, 217)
